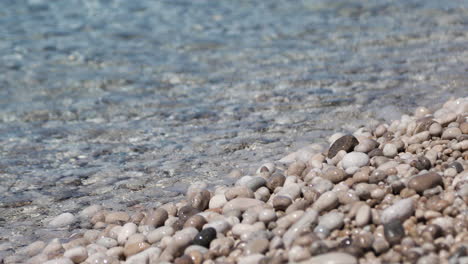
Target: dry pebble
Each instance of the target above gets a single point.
(391, 193)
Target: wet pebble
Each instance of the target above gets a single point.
(346, 143)
(62, 220)
(204, 237)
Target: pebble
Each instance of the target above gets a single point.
(334, 175)
(399, 211)
(390, 150)
(451, 133)
(199, 201)
(76, 254)
(354, 159)
(196, 221)
(117, 217)
(307, 219)
(363, 215)
(157, 217)
(241, 204)
(326, 201)
(464, 127)
(251, 259)
(204, 237)
(256, 246)
(217, 201)
(62, 220)
(275, 181)
(346, 143)
(425, 181)
(157, 234)
(332, 220)
(394, 231)
(59, 261)
(125, 232)
(332, 258)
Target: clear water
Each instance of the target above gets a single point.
(126, 102)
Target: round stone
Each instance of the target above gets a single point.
(157, 217)
(205, 237)
(390, 150)
(334, 175)
(281, 203)
(354, 159)
(276, 180)
(451, 133)
(196, 221)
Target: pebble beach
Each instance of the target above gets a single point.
(113, 114)
(389, 193)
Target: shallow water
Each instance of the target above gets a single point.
(127, 102)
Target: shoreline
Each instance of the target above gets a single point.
(395, 192)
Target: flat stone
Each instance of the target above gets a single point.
(425, 181)
(346, 143)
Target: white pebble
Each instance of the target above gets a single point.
(62, 220)
(354, 159)
(127, 230)
(401, 210)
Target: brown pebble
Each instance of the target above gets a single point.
(346, 143)
(117, 218)
(201, 200)
(134, 248)
(156, 218)
(296, 168)
(196, 221)
(281, 203)
(239, 192)
(425, 181)
(186, 211)
(276, 180)
(436, 204)
(464, 128)
(196, 256)
(334, 175)
(375, 152)
(184, 259)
